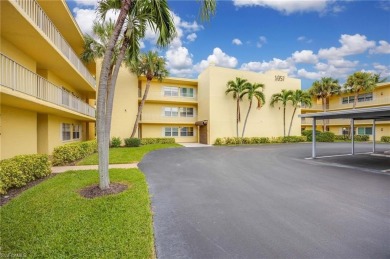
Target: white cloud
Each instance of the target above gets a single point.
(218, 58)
(86, 2)
(261, 42)
(179, 58)
(304, 39)
(305, 56)
(288, 6)
(350, 45)
(86, 17)
(309, 75)
(274, 64)
(236, 42)
(383, 70)
(192, 36)
(342, 63)
(383, 48)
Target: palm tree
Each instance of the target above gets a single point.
(152, 12)
(299, 98)
(282, 97)
(253, 91)
(324, 89)
(237, 88)
(361, 82)
(151, 66)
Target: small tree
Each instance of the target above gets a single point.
(151, 66)
(253, 91)
(282, 97)
(237, 87)
(299, 98)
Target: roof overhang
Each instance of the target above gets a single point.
(381, 113)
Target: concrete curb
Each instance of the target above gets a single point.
(61, 169)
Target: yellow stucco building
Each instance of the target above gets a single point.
(47, 93)
(380, 96)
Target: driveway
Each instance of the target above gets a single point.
(268, 202)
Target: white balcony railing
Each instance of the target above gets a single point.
(42, 21)
(150, 117)
(159, 95)
(376, 101)
(19, 78)
(309, 121)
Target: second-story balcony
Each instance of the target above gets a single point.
(153, 118)
(26, 25)
(162, 97)
(338, 122)
(39, 94)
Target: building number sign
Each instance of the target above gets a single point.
(279, 78)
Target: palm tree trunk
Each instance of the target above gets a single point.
(284, 121)
(141, 106)
(355, 100)
(246, 118)
(324, 109)
(292, 118)
(238, 114)
(112, 84)
(103, 143)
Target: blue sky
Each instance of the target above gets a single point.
(307, 39)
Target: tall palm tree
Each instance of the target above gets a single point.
(323, 89)
(282, 97)
(361, 82)
(299, 98)
(253, 91)
(151, 66)
(152, 12)
(237, 87)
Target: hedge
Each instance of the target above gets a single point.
(258, 140)
(356, 137)
(385, 138)
(69, 153)
(320, 136)
(19, 170)
(147, 141)
(132, 142)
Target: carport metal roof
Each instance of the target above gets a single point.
(381, 113)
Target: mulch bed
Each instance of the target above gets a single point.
(14, 192)
(94, 191)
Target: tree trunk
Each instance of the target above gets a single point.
(284, 121)
(324, 109)
(246, 118)
(103, 143)
(355, 100)
(238, 115)
(141, 106)
(292, 118)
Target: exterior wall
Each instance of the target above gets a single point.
(266, 122)
(156, 131)
(18, 132)
(154, 113)
(10, 50)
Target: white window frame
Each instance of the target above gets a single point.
(188, 89)
(171, 131)
(171, 111)
(187, 131)
(171, 90)
(63, 125)
(79, 131)
(364, 129)
(184, 110)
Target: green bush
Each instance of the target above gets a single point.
(309, 134)
(148, 141)
(258, 140)
(361, 138)
(132, 142)
(69, 153)
(19, 170)
(115, 142)
(341, 137)
(294, 139)
(385, 138)
(325, 137)
(219, 141)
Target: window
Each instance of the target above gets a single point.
(187, 92)
(171, 112)
(365, 131)
(186, 112)
(171, 132)
(187, 132)
(66, 131)
(344, 100)
(76, 131)
(365, 97)
(171, 91)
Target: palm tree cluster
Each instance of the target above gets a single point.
(118, 41)
(241, 88)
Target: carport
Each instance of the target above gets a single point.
(373, 113)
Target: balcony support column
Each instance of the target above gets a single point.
(373, 135)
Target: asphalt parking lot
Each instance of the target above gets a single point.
(268, 201)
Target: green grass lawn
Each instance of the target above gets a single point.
(51, 220)
(125, 155)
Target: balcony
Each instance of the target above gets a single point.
(314, 106)
(45, 44)
(376, 101)
(160, 119)
(159, 97)
(19, 79)
(337, 122)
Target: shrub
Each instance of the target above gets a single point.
(246, 140)
(219, 141)
(309, 134)
(69, 153)
(132, 142)
(258, 140)
(115, 142)
(325, 137)
(147, 141)
(361, 137)
(19, 170)
(385, 138)
(232, 140)
(294, 139)
(341, 137)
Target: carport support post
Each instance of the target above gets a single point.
(373, 135)
(313, 147)
(352, 136)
